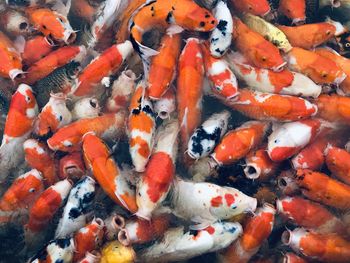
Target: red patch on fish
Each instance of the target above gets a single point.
(216, 201)
(229, 199)
(210, 230)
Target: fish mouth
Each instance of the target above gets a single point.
(340, 79)
(16, 73)
(280, 67)
(336, 3)
(298, 21)
(252, 171)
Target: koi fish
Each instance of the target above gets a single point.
(260, 52)
(310, 36)
(77, 207)
(19, 124)
(310, 215)
(115, 252)
(222, 80)
(56, 59)
(207, 136)
(221, 37)
(38, 156)
(86, 108)
(122, 90)
(91, 257)
(258, 8)
(58, 250)
(84, 10)
(35, 49)
(189, 88)
(330, 247)
(20, 196)
(166, 105)
(293, 9)
(320, 69)
(59, 80)
(102, 66)
(334, 108)
(72, 166)
(88, 238)
(139, 231)
(113, 225)
(286, 183)
(141, 127)
(337, 163)
(292, 258)
(160, 171)
(162, 67)
(108, 127)
(288, 139)
(178, 245)
(113, 181)
(256, 231)
(321, 188)
(15, 23)
(11, 62)
(51, 24)
(205, 203)
(284, 82)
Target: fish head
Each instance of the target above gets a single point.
(24, 101)
(28, 187)
(280, 145)
(72, 166)
(294, 10)
(265, 56)
(66, 139)
(11, 62)
(86, 108)
(200, 19)
(16, 23)
(327, 71)
(255, 7)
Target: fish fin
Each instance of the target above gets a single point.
(174, 29)
(20, 43)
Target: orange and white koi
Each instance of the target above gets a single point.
(189, 89)
(162, 14)
(38, 156)
(11, 61)
(221, 37)
(108, 126)
(222, 80)
(256, 231)
(122, 90)
(258, 165)
(141, 127)
(35, 49)
(258, 8)
(310, 36)
(77, 207)
(204, 203)
(138, 231)
(293, 9)
(271, 107)
(113, 225)
(208, 135)
(321, 188)
(160, 171)
(284, 82)
(88, 238)
(288, 139)
(58, 250)
(51, 24)
(337, 161)
(53, 116)
(334, 108)
(310, 215)
(178, 245)
(19, 124)
(166, 105)
(15, 23)
(111, 179)
(102, 66)
(321, 247)
(91, 257)
(58, 58)
(86, 108)
(293, 258)
(162, 68)
(72, 166)
(259, 52)
(318, 68)
(21, 195)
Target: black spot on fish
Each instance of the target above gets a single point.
(169, 17)
(201, 135)
(202, 24)
(88, 198)
(173, 8)
(215, 39)
(207, 16)
(219, 51)
(59, 261)
(152, 8)
(193, 232)
(74, 213)
(148, 110)
(222, 25)
(135, 111)
(63, 243)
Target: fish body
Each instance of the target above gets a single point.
(334, 108)
(11, 61)
(86, 108)
(35, 49)
(337, 161)
(255, 7)
(293, 9)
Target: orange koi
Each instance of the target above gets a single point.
(292, 258)
(320, 69)
(321, 188)
(334, 108)
(113, 181)
(88, 238)
(58, 58)
(337, 161)
(35, 49)
(83, 10)
(256, 231)
(189, 89)
(162, 68)
(38, 156)
(320, 247)
(102, 66)
(11, 61)
(108, 127)
(255, 7)
(141, 127)
(72, 166)
(256, 48)
(51, 24)
(293, 9)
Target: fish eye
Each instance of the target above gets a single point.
(276, 141)
(31, 190)
(288, 10)
(328, 32)
(44, 27)
(60, 19)
(28, 98)
(93, 103)
(347, 45)
(263, 59)
(250, 8)
(60, 118)
(324, 75)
